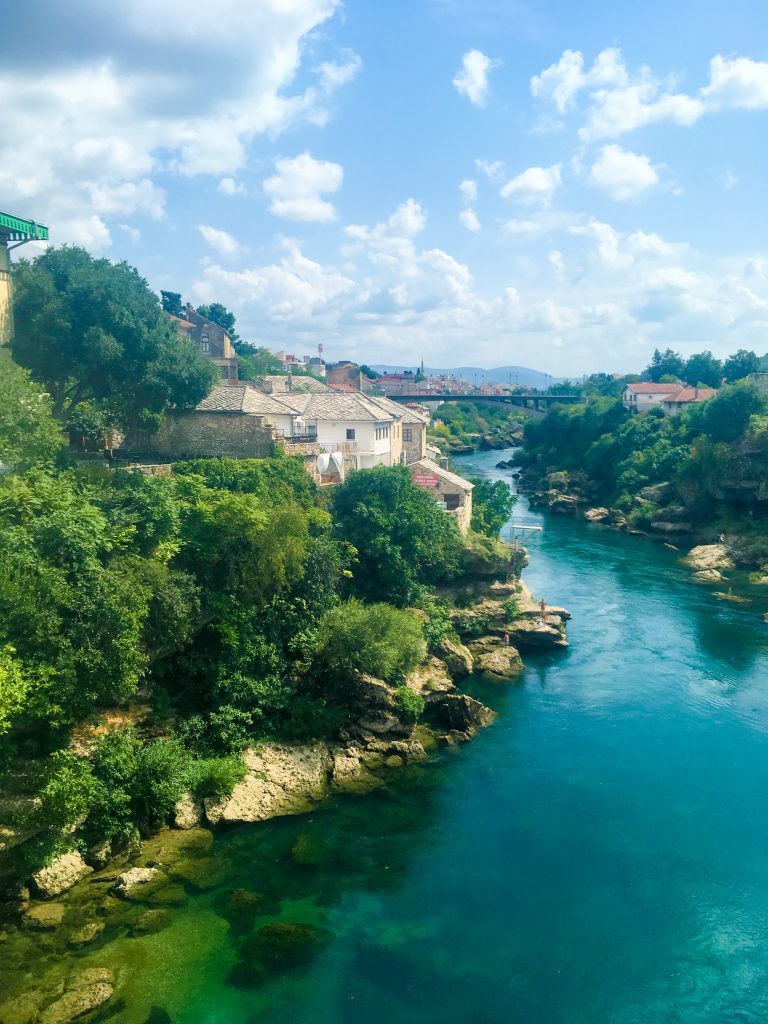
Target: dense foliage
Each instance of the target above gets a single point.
(93, 333)
(226, 595)
(712, 459)
(467, 423)
(492, 504)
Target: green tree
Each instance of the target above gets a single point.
(703, 368)
(492, 504)
(220, 315)
(256, 361)
(665, 364)
(92, 331)
(29, 436)
(404, 540)
(375, 639)
(740, 365)
(172, 303)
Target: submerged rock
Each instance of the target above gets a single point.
(708, 576)
(85, 992)
(43, 916)
(60, 875)
(130, 882)
(278, 948)
(151, 922)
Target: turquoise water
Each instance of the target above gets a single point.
(599, 855)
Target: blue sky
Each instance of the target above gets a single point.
(543, 183)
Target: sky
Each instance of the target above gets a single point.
(488, 182)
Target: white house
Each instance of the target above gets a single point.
(643, 396)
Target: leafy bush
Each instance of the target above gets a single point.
(215, 776)
(492, 504)
(160, 778)
(410, 704)
(375, 639)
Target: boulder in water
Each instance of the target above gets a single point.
(60, 875)
(709, 556)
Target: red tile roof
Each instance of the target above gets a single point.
(687, 394)
(654, 389)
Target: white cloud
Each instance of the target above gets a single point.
(524, 227)
(468, 189)
(621, 102)
(224, 243)
(90, 232)
(622, 174)
(334, 74)
(230, 187)
(472, 80)
(556, 261)
(534, 185)
(738, 83)
(729, 180)
(133, 233)
(492, 169)
(296, 189)
(468, 219)
(92, 118)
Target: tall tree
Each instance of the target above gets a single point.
(220, 315)
(172, 303)
(28, 434)
(93, 331)
(740, 365)
(665, 364)
(703, 368)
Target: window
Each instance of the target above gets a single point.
(350, 435)
(382, 433)
(205, 344)
(407, 434)
(452, 502)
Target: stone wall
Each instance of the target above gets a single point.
(347, 375)
(205, 435)
(416, 448)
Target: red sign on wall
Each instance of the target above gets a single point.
(425, 479)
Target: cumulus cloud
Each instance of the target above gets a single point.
(296, 190)
(221, 241)
(472, 80)
(622, 174)
(468, 219)
(534, 185)
(93, 118)
(620, 101)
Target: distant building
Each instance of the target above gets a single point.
(212, 340)
(450, 489)
(685, 396)
(345, 376)
(670, 398)
(643, 396)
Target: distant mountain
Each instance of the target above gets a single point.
(498, 375)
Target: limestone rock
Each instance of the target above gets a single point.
(409, 750)
(130, 882)
(597, 515)
(43, 916)
(188, 812)
(529, 633)
(85, 992)
(60, 875)
(458, 712)
(431, 677)
(457, 658)
(151, 922)
(350, 772)
(85, 933)
(708, 576)
(709, 556)
(500, 663)
(282, 779)
(99, 855)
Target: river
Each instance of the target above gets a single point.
(598, 855)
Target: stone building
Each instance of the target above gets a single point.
(452, 491)
(345, 376)
(212, 340)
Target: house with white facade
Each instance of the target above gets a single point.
(643, 396)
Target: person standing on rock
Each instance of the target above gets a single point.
(543, 609)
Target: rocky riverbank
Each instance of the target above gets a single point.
(84, 898)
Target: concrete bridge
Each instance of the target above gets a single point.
(523, 399)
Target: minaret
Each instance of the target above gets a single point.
(421, 368)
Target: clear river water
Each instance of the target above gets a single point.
(599, 854)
